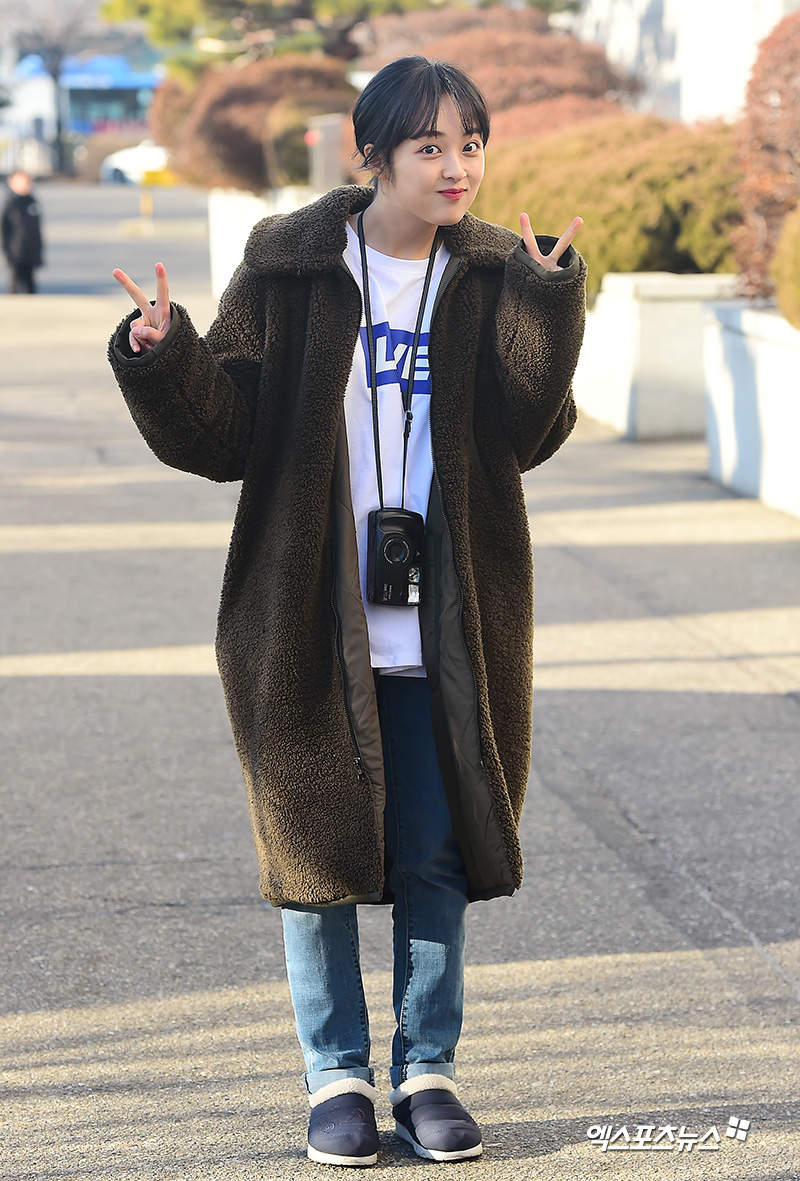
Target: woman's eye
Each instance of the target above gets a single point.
(431, 149)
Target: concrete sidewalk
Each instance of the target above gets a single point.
(647, 975)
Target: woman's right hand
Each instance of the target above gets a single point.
(153, 324)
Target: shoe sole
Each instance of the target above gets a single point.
(435, 1153)
(330, 1158)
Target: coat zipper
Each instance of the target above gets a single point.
(359, 761)
(461, 631)
(447, 523)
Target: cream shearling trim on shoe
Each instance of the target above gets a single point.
(344, 1086)
(422, 1082)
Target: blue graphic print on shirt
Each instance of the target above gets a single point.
(393, 358)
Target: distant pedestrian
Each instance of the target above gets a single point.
(22, 233)
(382, 368)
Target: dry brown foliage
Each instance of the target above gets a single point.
(168, 111)
(514, 69)
(512, 55)
(226, 137)
(769, 153)
(532, 119)
(385, 38)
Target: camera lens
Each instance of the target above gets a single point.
(396, 550)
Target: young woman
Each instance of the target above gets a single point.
(382, 367)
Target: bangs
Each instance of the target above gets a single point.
(422, 110)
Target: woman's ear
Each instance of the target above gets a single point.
(375, 166)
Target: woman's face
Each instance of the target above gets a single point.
(436, 176)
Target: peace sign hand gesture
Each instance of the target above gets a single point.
(153, 324)
(548, 261)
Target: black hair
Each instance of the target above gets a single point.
(402, 101)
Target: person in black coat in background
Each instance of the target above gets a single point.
(22, 234)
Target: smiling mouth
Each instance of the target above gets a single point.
(451, 192)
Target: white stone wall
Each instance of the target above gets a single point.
(641, 365)
(753, 409)
(231, 216)
(695, 56)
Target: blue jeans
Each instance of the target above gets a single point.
(426, 875)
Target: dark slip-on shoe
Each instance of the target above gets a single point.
(429, 1115)
(341, 1127)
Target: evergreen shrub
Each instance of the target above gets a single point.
(655, 195)
(785, 269)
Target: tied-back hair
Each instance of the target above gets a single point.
(402, 101)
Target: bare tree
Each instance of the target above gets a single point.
(54, 29)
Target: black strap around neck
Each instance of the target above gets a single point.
(407, 396)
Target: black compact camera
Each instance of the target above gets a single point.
(395, 542)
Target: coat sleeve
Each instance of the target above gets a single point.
(538, 336)
(193, 398)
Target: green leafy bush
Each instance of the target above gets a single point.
(655, 196)
(785, 268)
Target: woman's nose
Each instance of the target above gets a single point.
(453, 168)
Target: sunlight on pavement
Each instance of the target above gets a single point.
(33, 539)
(726, 521)
(191, 1083)
(77, 479)
(697, 523)
(728, 652)
(189, 660)
(754, 651)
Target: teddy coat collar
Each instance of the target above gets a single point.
(311, 240)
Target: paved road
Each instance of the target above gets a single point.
(90, 229)
(648, 972)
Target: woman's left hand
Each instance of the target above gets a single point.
(548, 261)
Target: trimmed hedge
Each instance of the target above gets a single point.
(654, 195)
(785, 268)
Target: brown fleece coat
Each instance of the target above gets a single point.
(260, 399)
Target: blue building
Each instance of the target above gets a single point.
(97, 93)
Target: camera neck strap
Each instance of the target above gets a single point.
(408, 417)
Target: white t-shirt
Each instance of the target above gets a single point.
(395, 286)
